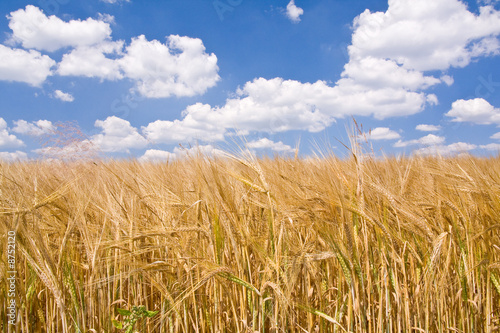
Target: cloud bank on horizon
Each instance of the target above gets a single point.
(396, 61)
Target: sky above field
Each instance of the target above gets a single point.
(150, 79)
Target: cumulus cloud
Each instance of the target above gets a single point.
(427, 34)
(428, 140)
(448, 80)
(199, 123)
(94, 61)
(477, 111)
(8, 140)
(117, 136)
(180, 67)
(495, 136)
(491, 146)
(488, 2)
(265, 143)
(385, 76)
(314, 106)
(382, 133)
(375, 72)
(434, 145)
(428, 128)
(486, 47)
(262, 105)
(65, 97)
(24, 66)
(34, 30)
(293, 12)
(114, 1)
(278, 105)
(155, 155)
(36, 128)
(454, 148)
(13, 156)
(72, 151)
(204, 150)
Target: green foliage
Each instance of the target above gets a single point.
(131, 317)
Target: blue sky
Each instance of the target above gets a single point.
(141, 77)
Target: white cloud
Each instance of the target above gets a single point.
(491, 146)
(454, 148)
(488, 2)
(24, 66)
(278, 105)
(38, 128)
(384, 77)
(262, 105)
(486, 47)
(200, 123)
(428, 128)
(293, 12)
(290, 104)
(76, 150)
(426, 34)
(476, 110)
(8, 140)
(114, 1)
(203, 150)
(155, 155)
(65, 97)
(434, 145)
(495, 136)
(428, 140)
(448, 80)
(180, 67)
(431, 139)
(12, 157)
(91, 61)
(265, 143)
(117, 136)
(382, 133)
(375, 72)
(34, 30)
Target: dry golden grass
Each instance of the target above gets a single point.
(241, 244)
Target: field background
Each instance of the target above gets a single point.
(240, 244)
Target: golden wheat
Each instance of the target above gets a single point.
(242, 244)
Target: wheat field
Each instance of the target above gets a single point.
(245, 244)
